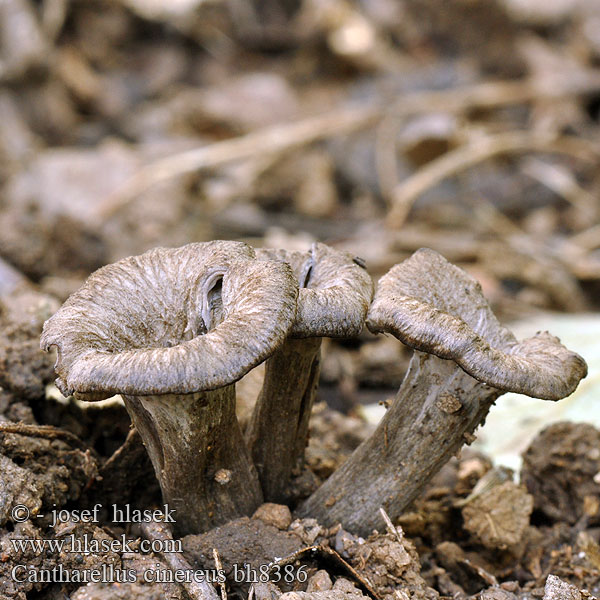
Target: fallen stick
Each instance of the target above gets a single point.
(475, 152)
(48, 432)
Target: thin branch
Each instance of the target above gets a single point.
(219, 566)
(563, 183)
(48, 432)
(270, 140)
(475, 152)
(390, 526)
(386, 164)
(589, 239)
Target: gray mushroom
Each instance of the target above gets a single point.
(435, 307)
(172, 331)
(334, 297)
(464, 359)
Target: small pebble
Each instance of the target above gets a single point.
(319, 582)
(278, 515)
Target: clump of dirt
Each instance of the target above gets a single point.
(80, 538)
(308, 530)
(390, 563)
(498, 517)
(342, 589)
(323, 560)
(17, 487)
(435, 517)
(462, 572)
(13, 556)
(277, 515)
(560, 470)
(120, 591)
(24, 368)
(497, 594)
(244, 541)
(556, 589)
(43, 471)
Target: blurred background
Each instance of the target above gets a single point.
(376, 126)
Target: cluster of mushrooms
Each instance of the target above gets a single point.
(173, 330)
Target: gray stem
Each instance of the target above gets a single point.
(435, 410)
(199, 456)
(278, 430)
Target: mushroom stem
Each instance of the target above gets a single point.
(198, 429)
(278, 431)
(436, 409)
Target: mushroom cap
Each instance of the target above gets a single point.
(335, 291)
(434, 306)
(172, 321)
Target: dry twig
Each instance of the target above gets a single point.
(390, 526)
(589, 239)
(563, 183)
(48, 432)
(475, 152)
(265, 141)
(219, 566)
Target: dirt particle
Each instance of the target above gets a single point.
(559, 473)
(449, 403)
(499, 516)
(319, 582)
(557, 589)
(277, 515)
(223, 476)
(469, 438)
